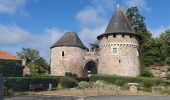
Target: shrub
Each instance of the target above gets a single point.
(119, 82)
(167, 90)
(10, 68)
(146, 72)
(7, 92)
(168, 76)
(145, 81)
(83, 84)
(68, 82)
(79, 79)
(69, 74)
(23, 83)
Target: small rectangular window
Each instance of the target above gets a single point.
(114, 50)
(62, 53)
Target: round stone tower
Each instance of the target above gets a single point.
(67, 55)
(119, 45)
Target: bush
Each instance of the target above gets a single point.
(167, 90)
(79, 79)
(100, 82)
(168, 76)
(68, 82)
(146, 72)
(23, 83)
(83, 84)
(11, 68)
(145, 81)
(69, 74)
(7, 92)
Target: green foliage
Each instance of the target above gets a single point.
(68, 82)
(79, 79)
(10, 68)
(168, 76)
(83, 84)
(137, 22)
(94, 46)
(7, 92)
(29, 54)
(23, 83)
(145, 72)
(39, 66)
(156, 51)
(100, 82)
(144, 81)
(69, 74)
(167, 90)
(34, 61)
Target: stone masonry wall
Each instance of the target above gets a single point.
(125, 62)
(71, 62)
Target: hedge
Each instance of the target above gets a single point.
(79, 79)
(144, 81)
(23, 83)
(68, 82)
(10, 68)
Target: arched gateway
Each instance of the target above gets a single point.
(90, 67)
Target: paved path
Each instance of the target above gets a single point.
(89, 98)
(129, 98)
(41, 98)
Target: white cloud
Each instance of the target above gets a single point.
(13, 38)
(88, 35)
(93, 19)
(156, 32)
(141, 4)
(11, 6)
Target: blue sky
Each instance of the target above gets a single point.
(39, 23)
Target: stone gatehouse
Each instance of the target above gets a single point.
(118, 54)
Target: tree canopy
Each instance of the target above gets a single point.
(36, 63)
(152, 50)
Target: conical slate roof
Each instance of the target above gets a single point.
(118, 23)
(69, 39)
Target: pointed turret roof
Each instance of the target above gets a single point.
(118, 23)
(69, 39)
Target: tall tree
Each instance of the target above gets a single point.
(137, 22)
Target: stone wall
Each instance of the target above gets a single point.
(72, 61)
(159, 71)
(125, 62)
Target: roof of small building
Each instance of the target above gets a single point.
(6, 56)
(69, 39)
(118, 24)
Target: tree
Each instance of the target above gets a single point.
(94, 46)
(40, 66)
(34, 61)
(137, 22)
(165, 36)
(156, 51)
(29, 54)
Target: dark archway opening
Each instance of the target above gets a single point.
(90, 68)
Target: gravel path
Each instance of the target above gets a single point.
(89, 98)
(129, 98)
(42, 98)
